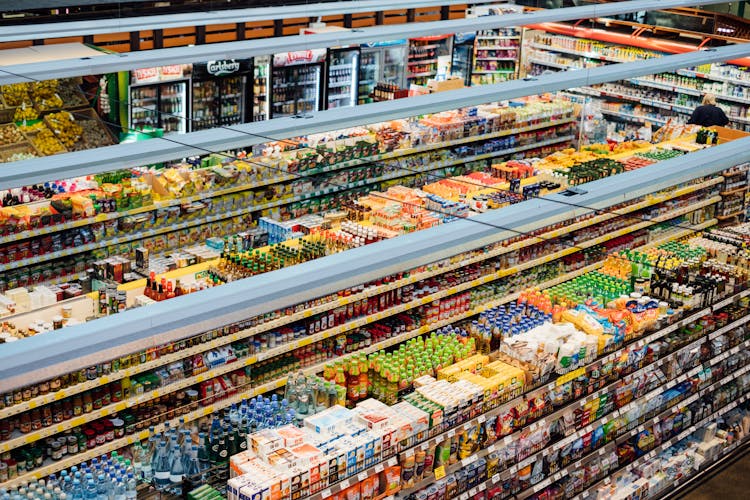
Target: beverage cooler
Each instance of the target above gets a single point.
(343, 77)
(159, 99)
(425, 55)
(463, 53)
(261, 69)
(381, 62)
(221, 91)
(297, 82)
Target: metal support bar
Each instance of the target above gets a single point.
(205, 18)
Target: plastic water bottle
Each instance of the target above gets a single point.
(102, 486)
(176, 471)
(90, 492)
(161, 467)
(147, 471)
(131, 488)
(119, 491)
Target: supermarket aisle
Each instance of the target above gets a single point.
(732, 483)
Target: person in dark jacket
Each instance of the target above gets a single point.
(708, 113)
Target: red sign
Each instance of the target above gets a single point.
(299, 57)
(146, 75)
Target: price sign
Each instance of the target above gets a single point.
(440, 472)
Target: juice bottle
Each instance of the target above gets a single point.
(352, 383)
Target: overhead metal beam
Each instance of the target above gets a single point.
(44, 356)
(28, 172)
(209, 17)
(253, 48)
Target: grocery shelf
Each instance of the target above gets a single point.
(485, 72)
(730, 215)
(545, 387)
(552, 64)
(332, 332)
(499, 47)
(734, 191)
(610, 446)
(341, 301)
(634, 118)
(50, 468)
(648, 102)
(709, 76)
(666, 86)
(589, 55)
(245, 187)
(676, 439)
(187, 316)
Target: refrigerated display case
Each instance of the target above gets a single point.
(424, 53)
(496, 56)
(261, 70)
(297, 82)
(463, 52)
(220, 93)
(159, 99)
(343, 77)
(496, 51)
(381, 62)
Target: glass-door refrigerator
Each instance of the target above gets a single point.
(343, 77)
(262, 68)
(297, 82)
(463, 52)
(159, 99)
(424, 55)
(220, 93)
(381, 62)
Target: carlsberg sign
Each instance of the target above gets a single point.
(220, 68)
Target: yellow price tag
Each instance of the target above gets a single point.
(440, 472)
(100, 218)
(60, 395)
(32, 437)
(307, 313)
(32, 405)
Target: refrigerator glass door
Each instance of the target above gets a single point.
(296, 90)
(232, 99)
(144, 102)
(461, 64)
(260, 89)
(393, 67)
(205, 104)
(342, 78)
(173, 106)
(369, 73)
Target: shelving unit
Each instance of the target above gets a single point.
(550, 46)
(496, 54)
(259, 357)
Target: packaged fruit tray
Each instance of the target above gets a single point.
(17, 152)
(11, 134)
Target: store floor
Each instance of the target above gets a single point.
(731, 483)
